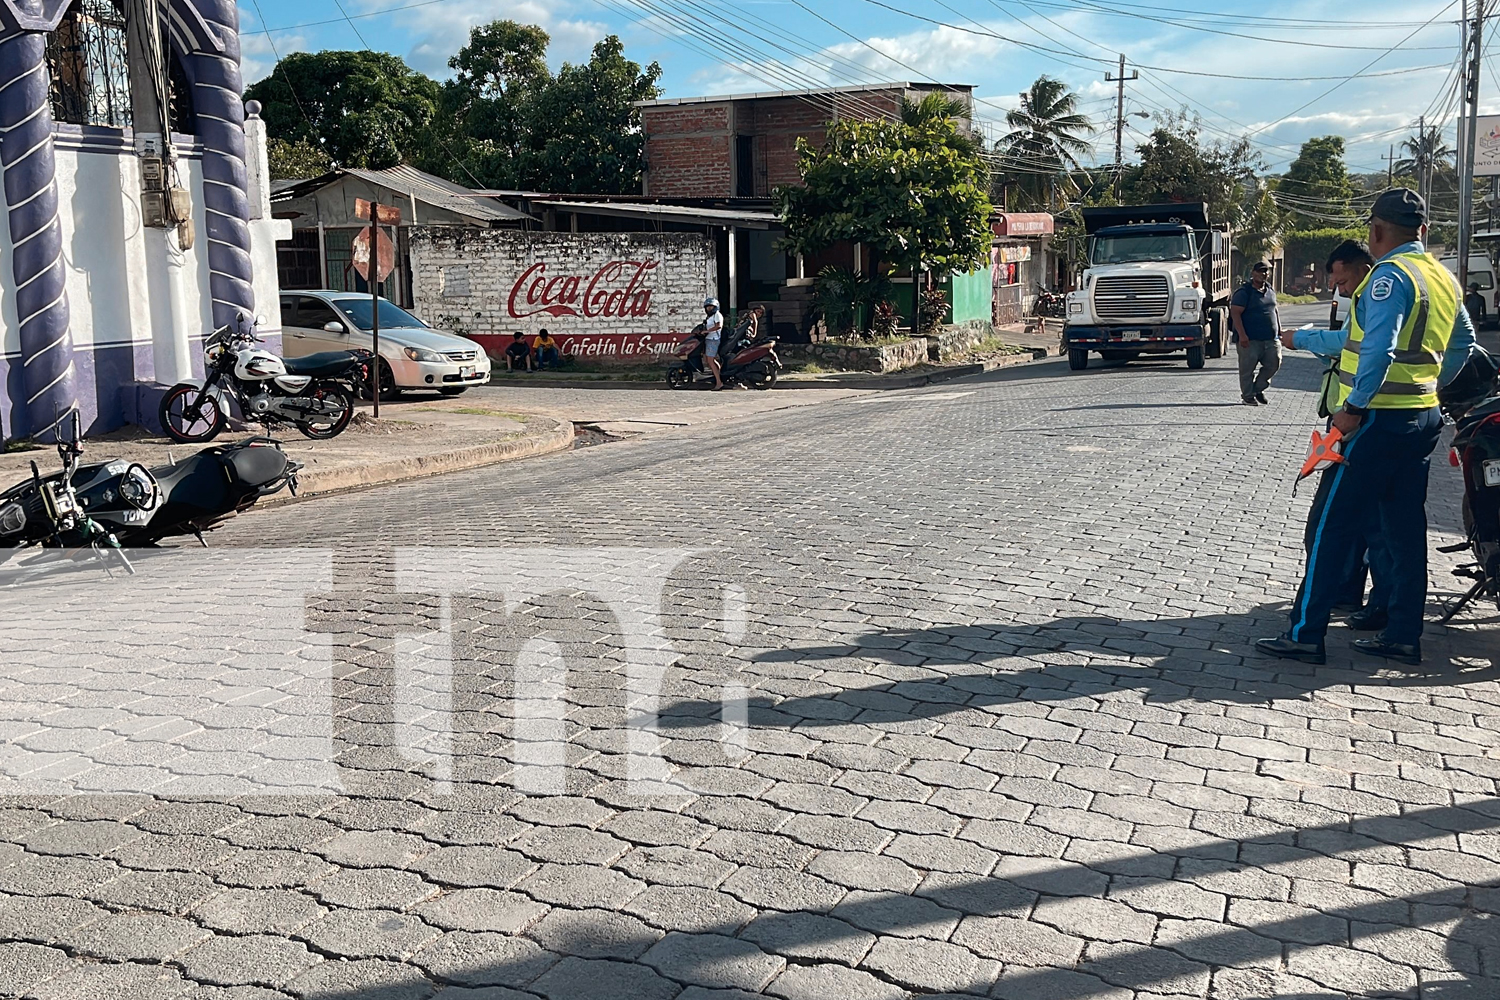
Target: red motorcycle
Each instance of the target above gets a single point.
(745, 363)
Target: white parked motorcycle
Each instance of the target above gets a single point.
(315, 394)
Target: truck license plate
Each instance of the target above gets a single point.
(1132, 335)
(466, 371)
(1492, 472)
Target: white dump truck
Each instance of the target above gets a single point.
(1157, 282)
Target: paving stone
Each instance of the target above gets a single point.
(368, 888)
(482, 910)
(571, 845)
(167, 892)
(1355, 973)
(713, 961)
(1100, 919)
(676, 866)
(653, 828)
(889, 914)
(115, 982)
(40, 919)
(1017, 942)
(930, 966)
(582, 979)
(775, 889)
(465, 959)
(594, 934)
(474, 867)
(28, 965)
(254, 960)
(873, 872)
(373, 849)
(367, 979)
(136, 937)
(822, 982)
(1215, 944)
(1021, 983)
(808, 937)
(1130, 965)
(691, 910)
(368, 934)
(258, 911)
(578, 886)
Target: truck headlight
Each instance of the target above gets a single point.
(1075, 308)
(1189, 305)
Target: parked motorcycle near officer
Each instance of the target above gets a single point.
(315, 394)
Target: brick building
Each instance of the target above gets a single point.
(744, 145)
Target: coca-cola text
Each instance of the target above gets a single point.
(600, 296)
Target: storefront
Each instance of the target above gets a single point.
(1017, 263)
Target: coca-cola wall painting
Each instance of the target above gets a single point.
(607, 297)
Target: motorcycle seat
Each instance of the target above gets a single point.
(322, 364)
(255, 466)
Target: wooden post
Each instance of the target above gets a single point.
(374, 279)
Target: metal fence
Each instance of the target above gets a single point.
(86, 56)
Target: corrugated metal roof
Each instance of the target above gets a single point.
(435, 191)
(674, 213)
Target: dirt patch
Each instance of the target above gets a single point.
(590, 436)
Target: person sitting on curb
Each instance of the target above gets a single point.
(517, 354)
(547, 353)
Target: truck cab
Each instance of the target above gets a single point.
(1157, 282)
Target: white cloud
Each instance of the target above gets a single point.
(259, 51)
(440, 30)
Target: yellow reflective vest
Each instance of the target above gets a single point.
(1411, 382)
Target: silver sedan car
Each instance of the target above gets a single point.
(412, 354)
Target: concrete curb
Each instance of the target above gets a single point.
(871, 380)
(544, 435)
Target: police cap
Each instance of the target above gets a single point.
(1401, 207)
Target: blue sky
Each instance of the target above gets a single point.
(1402, 53)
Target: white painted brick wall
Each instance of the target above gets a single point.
(462, 279)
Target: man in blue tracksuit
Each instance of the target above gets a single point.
(1408, 334)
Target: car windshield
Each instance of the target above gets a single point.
(392, 316)
(1130, 248)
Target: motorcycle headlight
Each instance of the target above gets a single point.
(138, 488)
(12, 518)
(422, 354)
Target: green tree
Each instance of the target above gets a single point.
(912, 191)
(1176, 165)
(363, 109)
(1316, 189)
(1261, 229)
(296, 160)
(583, 130)
(1047, 135)
(481, 122)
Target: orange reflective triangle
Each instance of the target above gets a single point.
(1323, 453)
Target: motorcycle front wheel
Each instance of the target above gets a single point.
(331, 424)
(190, 415)
(679, 378)
(760, 377)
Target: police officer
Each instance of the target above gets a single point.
(1408, 334)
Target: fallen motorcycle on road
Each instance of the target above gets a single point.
(315, 394)
(92, 512)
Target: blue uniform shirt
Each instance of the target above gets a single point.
(1324, 343)
(1381, 318)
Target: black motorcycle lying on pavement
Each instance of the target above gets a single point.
(93, 511)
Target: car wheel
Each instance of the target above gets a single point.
(389, 390)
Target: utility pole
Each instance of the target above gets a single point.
(1120, 113)
(1421, 156)
(1467, 147)
(1390, 166)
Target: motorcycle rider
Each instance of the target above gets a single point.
(713, 332)
(745, 331)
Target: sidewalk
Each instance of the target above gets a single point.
(408, 442)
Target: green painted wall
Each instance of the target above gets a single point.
(971, 296)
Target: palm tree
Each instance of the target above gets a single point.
(940, 108)
(1046, 138)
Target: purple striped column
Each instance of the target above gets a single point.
(221, 128)
(31, 197)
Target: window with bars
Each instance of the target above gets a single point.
(86, 56)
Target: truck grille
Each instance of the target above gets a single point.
(1132, 298)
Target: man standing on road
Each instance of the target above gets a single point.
(1346, 267)
(1408, 334)
(713, 333)
(1252, 312)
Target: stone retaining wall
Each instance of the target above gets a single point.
(859, 357)
(956, 341)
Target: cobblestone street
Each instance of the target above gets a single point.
(937, 692)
